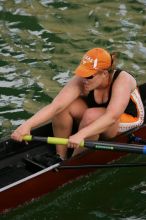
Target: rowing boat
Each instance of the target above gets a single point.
(23, 175)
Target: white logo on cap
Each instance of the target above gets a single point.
(95, 63)
(87, 59)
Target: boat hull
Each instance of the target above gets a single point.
(49, 179)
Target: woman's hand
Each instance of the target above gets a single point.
(75, 140)
(86, 87)
(21, 131)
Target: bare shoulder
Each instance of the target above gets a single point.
(75, 81)
(126, 80)
(122, 88)
(69, 92)
(73, 85)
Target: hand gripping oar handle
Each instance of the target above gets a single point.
(49, 140)
(95, 145)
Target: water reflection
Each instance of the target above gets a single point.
(41, 43)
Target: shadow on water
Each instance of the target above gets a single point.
(41, 43)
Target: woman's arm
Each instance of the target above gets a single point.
(121, 92)
(66, 96)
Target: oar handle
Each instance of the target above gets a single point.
(49, 140)
(95, 145)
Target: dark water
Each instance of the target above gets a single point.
(41, 43)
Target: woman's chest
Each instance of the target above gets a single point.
(101, 96)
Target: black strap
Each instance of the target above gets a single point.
(116, 74)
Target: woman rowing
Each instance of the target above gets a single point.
(102, 100)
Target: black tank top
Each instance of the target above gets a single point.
(90, 100)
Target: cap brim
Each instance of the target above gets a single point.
(84, 72)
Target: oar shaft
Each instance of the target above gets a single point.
(95, 145)
(129, 148)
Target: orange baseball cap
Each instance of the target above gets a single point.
(94, 59)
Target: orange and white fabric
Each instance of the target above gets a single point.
(127, 121)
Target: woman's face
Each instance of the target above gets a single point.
(95, 81)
